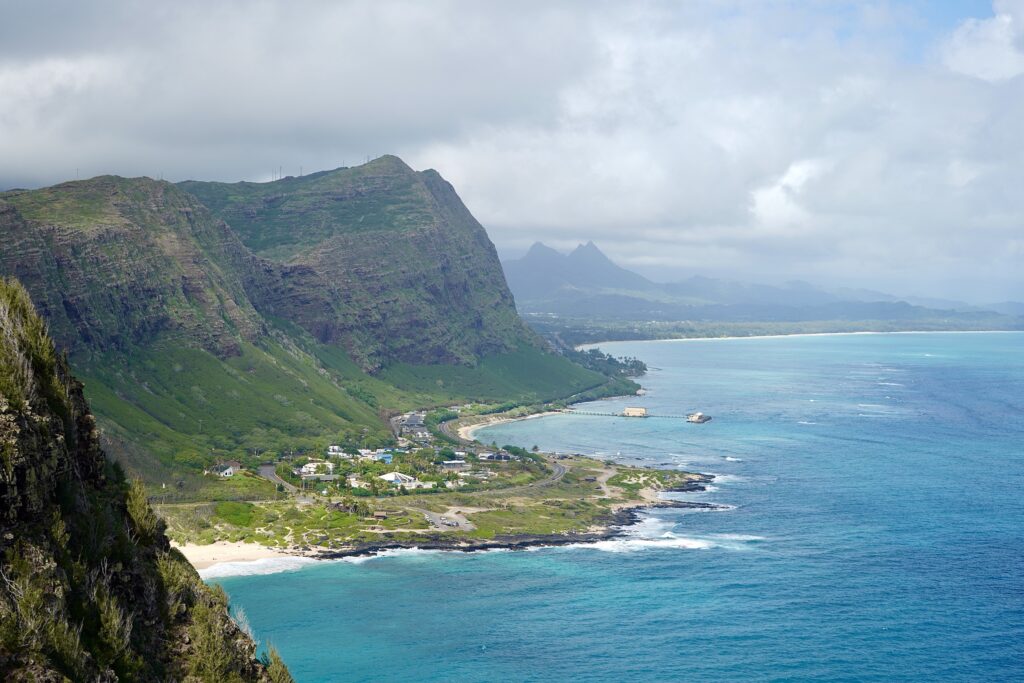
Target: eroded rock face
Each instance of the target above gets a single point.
(380, 259)
(90, 588)
(113, 263)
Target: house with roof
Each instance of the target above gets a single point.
(337, 452)
(228, 468)
(314, 467)
(497, 457)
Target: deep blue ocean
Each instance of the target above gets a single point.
(875, 532)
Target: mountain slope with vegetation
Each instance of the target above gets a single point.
(373, 291)
(91, 589)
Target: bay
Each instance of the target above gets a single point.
(874, 531)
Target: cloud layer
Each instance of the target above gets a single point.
(861, 144)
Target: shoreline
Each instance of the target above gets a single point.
(594, 345)
(219, 552)
(615, 525)
(466, 432)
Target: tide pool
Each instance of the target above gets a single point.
(875, 531)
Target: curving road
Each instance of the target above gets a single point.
(269, 472)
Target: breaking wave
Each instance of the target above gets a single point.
(266, 565)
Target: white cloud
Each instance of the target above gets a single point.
(777, 206)
(759, 140)
(990, 49)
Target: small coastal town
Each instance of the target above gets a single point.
(420, 460)
(434, 487)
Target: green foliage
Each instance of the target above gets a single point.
(191, 408)
(212, 659)
(279, 219)
(524, 375)
(29, 624)
(145, 524)
(276, 669)
(606, 364)
(239, 514)
(88, 590)
(27, 358)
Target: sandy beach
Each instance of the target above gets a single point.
(466, 432)
(203, 556)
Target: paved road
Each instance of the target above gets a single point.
(269, 472)
(557, 472)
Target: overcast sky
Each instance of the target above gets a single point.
(861, 144)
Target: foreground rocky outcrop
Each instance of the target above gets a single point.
(90, 588)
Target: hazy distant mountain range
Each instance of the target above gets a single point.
(587, 284)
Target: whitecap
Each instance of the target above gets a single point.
(729, 458)
(632, 543)
(391, 552)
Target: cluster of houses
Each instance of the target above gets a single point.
(384, 455)
(412, 427)
(395, 479)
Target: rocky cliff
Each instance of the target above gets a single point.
(114, 262)
(89, 587)
(380, 259)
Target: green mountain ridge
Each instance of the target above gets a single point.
(393, 252)
(193, 347)
(91, 588)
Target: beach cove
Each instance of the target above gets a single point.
(871, 531)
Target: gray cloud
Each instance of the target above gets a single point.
(846, 143)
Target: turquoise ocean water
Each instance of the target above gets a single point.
(875, 533)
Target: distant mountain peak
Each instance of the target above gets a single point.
(539, 249)
(544, 270)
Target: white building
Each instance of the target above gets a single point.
(399, 479)
(313, 466)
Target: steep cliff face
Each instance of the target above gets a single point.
(89, 586)
(114, 262)
(379, 259)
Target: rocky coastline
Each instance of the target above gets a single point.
(615, 526)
